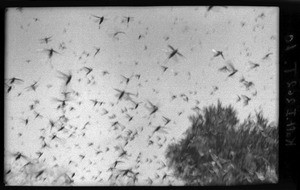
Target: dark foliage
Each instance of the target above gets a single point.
(219, 150)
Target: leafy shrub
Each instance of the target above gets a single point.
(219, 150)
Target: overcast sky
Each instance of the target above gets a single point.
(245, 35)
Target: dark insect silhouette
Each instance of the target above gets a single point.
(112, 116)
(116, 163)
(231, 69)
(153, 108)
(104, 112)
(63, 118)
(66, 77)
(136, 104)
(164, 68)
(51, 52)
(119, 32)
(196, 109)
(218, 53)
(97, 51)
(173, 53)
(9, 88)
(246, 99)
(215, 88)
(31, 106)
(84, 126)
(129, 117)
(262, 15)
(267, 56)
(150, 142)
(127, 79)
(167, 120)
(33, 86)
(123, 153)
(126, 172)
(156, 176)
(159, 129)
(14, 79)
(52, 124)
(66, 94)
(39, 173)
(224, 69)
(138, 76)
(209, 8)
(19, 155)
(61, 128)
(179, 113)
(97, 102)
(149, 181)
(173, 97)
(88, 70)
(140, 36)
(164, 176)
(81, 156)
(39, 154)
(163, 165)
(122, 94)
(37, 115)
(248, 84)
(101, 19)
(115, 123)
(134, 177)
(105, 73)
(44, 145)
(25, 121)
(98, 152)
(185, 97)
(253, 65)
(242, 79)
(54, 136)
(42, 137)
(127, 19)
(63, 102)
(110, 169)
(7, 173)
(128, 132)
(46, 39)
(68, 180)
(62, 46)
(124, 110)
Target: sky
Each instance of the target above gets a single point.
(134, 42)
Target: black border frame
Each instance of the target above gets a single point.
(289, 20)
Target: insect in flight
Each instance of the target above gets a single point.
(173, 54)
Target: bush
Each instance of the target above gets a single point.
(219, 150)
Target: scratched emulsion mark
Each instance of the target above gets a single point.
(95, 95)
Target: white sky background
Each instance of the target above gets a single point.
(193, 30)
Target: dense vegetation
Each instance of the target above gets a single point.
(219, 150)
